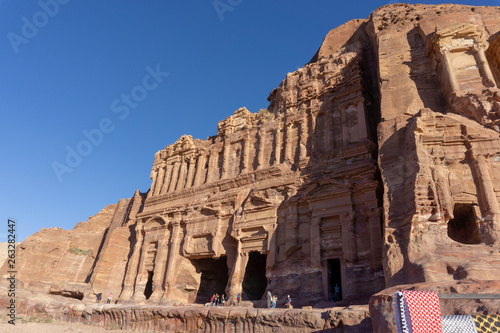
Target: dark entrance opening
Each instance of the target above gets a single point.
(214, 277)
(255, 281)
(463, 228)
(149, 285)
(334, 276)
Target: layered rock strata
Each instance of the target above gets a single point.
(375, 165)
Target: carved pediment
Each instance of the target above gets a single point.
(328, 186)
(240, 120)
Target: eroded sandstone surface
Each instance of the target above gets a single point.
(375, 165)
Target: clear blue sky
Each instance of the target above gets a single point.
(87, 65)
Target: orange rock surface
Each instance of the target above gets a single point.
(375, 165)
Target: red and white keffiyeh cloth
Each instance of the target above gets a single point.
(417, 312)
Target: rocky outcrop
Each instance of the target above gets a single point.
(159, 318)
(375, 165)
(55, 256)
(465, 297)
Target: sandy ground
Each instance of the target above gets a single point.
(54, 327)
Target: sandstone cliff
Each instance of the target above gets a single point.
(375, 165)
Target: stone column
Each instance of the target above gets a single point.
(485, 67)
(132, 266)
(172, 256)
(200, 171)
(166, 182)
(373, 219)
(487, 198)
(226, 158)
(362, 131)
(212, 160)
(303, 137)
(315, 241)
(346, 133)
(159, 179)
(153, 176)
(175, 176)
(189, 181)
(311, 134)
(237, 274)
(260, 153)
(349, 247)
(246, 154)
(445, 55)
(278, 146)
(159, 266)
(288, 143)
(271, 246)
(291, 226)
(182, 174)
(328, 133)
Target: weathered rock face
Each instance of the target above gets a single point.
(377, 164)
(53, 257)
(382, 311)
(439, 148)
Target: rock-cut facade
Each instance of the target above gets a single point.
(376, 164)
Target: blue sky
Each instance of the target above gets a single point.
(118, 80)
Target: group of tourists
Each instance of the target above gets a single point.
(217, 300)
(272, 300)
(99, 297)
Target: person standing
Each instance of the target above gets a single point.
(274, 300)
(288, 302)
(212, 300)
(336, 293)
(110, 297)
(238, 299)
(99, 297)
(269, 299)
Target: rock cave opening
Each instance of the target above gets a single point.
(463, 228)
(214, 277)
(334, 276)
(255, 282)
(149, 285)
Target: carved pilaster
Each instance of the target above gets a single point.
(159, 179)
(212, 166)
(260, 153)
(159, 267)
(200, 170)
(246, 154)
(182, 174)
(278, 145)
(445, 56)
(175, 176)
(485, 67)
(327, 139)
(303, 137)
(132, 266)
(226, 158)
(172, 256)
(288, 142)
(166, 181)
(315, 242)
(190, 175)
(487, 198)
(154, 176)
